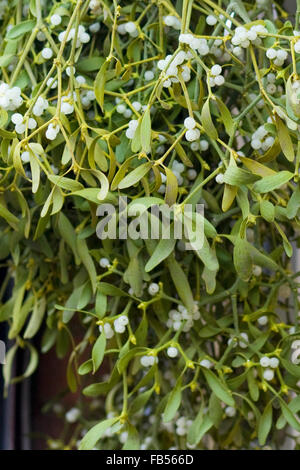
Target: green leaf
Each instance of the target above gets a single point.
(265, 424)
(100, 84)
(90, 194)
(201, 424)
(65, 183)
(285, 140)
(6, 59)
(16, 32)
(267, 210)
(256, 167)
(289, 416)
(98, 351)
(86, 367)
(252, 384)
(121, 173)
(173, 402)
(293, 204)
(206, 121)
(269, 183)
(219, 389)
(67, 232)
(11, 219)
(36, 318)
(142, 330)
(109, 289)
(237, 176)
(133, 440)
(35, 172)
(242, 259)
(136, 141)
(229, 195)
(215, 410)
(135, 176)
(20, 312)
(87, 261)
(163, 249)
(181, 282)
(146, 131)
(95, 433)
(89, 64)
(140, 402)
(171, 187)
(226, 117)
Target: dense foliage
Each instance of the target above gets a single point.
(183, 101)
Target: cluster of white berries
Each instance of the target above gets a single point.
(119, 326)
(243, 343)
(243, 37)
(192, 132)
(40, 106)
(216, 77)
(269, 363)
(182, 425)
(177, 317)
(170, 67)
(82, 36)
(201, 145)
(177, 169)
(10, 98)
(261, 140)
(271, 87)
(148, 361)
(132, 127)
(122, 109)
(153, 288)
(197, 44)
(87, 97)
(72, 415)
(278, 56)
(22, 123)
(172, 21)
(129, 28)
(218, 50)
(52, 131)
(66, 105)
